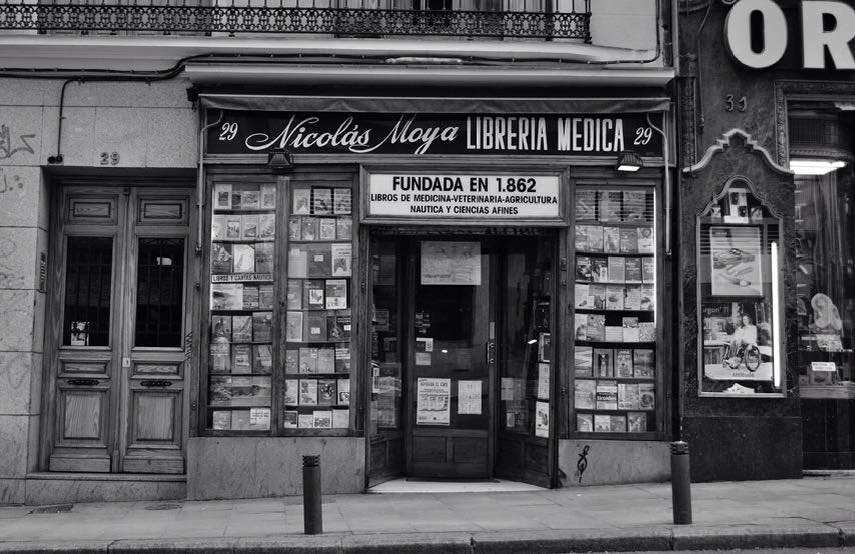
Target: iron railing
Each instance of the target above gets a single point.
(543, 19)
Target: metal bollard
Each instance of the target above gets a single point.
(681, 493)
(313, 523)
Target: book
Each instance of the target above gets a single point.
(322, 201)
(221, 326)
(265, 297)
(342, 254)
(301, 201)
(221, 258)
(262, 326)
(318, 260)
(240, 420)
(315, 326)
(643, 363)
(313, 294)
(298, 261)
(628, 240)
(342, 358)
(583, 268)
(220, 390)
(614, 297)
(646, 396)
(630, 329)
(326, 228)
(595, 238)
(250, 297)
(241, 391)
(341, 419)
(338, 328)
(636, 422)
(308, 360)
(617, 423)
(249, 227)
(309, 228)
(581, 237)
(292, 360)
(294, 294)
(580, 327)
(602, 423)
(295, 225)
(264, 257)
(343, 228)
(242, 328)
(585, 394)
(289, 419)
(222, 196)
(645, 240)
(646, 331)
(326, 360)
(606, 395)
(244, 258)
(648, 298)
(603, 362)
(267, 196)
(262, 358)
(580, 296)
(648, 270)
(586, 203)
(308, 392)
(336, 294)
(305, 421)
(342, 203)
(585, 423)
(634, 205)
(610, 205)
(343, 391)
(294, 327)
(623, 362)
(242, 358)
(632, 270)
(627, 396)
(261, 389)
(237, 199)
(597, 292)
(614, 333)
(611, 240)
(617, 269)
(233, 227)
(322, 419)
(583, 361)
(226, 296)
(326, 392)
(599, 269)
(249, 200)
(544, 347)
(221, 420)
(218, 227)
(596, 327)
(632, 297)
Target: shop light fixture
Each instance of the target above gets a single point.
(815, 167)
(279, 160)
(629, 161)
(777, 351)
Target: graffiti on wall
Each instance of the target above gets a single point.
(10, 147)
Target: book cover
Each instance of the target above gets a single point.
(322, 201)
(583, 361)
(313, 294)
(249, 227)
(646, 396)
(233, 227)
(244, 258)
(598, 295)
(643, 363)
(338, 328)
(240, 420)
(342, 254)
(289, 419)
(617, 269)
(606, 395)
(295, 225)
(265, 297)
(585, 394)
(262, 326)
(595, 238)
(342, 203)
(294, 294)
(309, 228)
(614, 297)
(648, 270)
(632, 297)
(603, 362)
(242, 328)
(623, 362)
(326, 360)
(581, 291)
(305, 421)
(308, 392)
(301, 201)
(585, 423)
(322, 419)
(250, 297)
(242, 358)
(222, 196)
(298, 261)
(602, 423)
(611, 240)
(267, 196)
(226, 296)
(610, 205)
(336, 294)
(544, 347)
(341, 419)
(318, 260)
(315, 327)
(581, 237)
(614, 333)
(221, 258)
(628, 398)
(294, 327)
(648, 298)
(261, 389)
(343, 391)
(221, 420)
(646, 331)
(262, 358)
(586, 203)
(596, 327)
(632, 270)
(343, 228)
(617, 423)
(581, 326)
(326, 392)
(630, 329)
(645, 239)
(308, 359)
(599, 269)
(219, 390)
(221, 326)
(292, 361)
(249, 200)
(264, 257)
(218, 227)
(241, 391)
(636, 422)
(583, 268)
(628, 240)
(326, 228)
(342, 358)
(634, 205)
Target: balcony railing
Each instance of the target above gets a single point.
(539, 19)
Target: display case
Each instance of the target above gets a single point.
(614, 302)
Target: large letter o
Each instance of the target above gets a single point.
(737, 33)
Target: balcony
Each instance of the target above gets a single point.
(548, 20)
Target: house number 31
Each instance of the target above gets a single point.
(739, 105)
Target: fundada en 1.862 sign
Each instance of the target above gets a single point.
(463, 196)
(418, 133)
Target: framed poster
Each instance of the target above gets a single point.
(735, 268)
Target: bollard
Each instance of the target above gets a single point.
(681, 493)
(313, 523)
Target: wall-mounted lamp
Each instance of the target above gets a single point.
(279, 161)
(629, 161)
(815, 167)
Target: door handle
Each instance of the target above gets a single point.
(83, 382)
(156, 383)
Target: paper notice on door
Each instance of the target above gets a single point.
(433, 401)
(451, 263)
(543, 381)
(422, 358)
(424, 344)
(541, 419)
(469, 397)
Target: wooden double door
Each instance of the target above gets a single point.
(120, 331)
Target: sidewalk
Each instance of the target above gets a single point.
(809, 512)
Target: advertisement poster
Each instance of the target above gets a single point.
(469, 397)
(433, 401)
(735, 261)
(541, 420)
(737, 341)
(451, 263)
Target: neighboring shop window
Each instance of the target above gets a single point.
(240, 359)
(824, 252)
(385, 338)
(615, 310)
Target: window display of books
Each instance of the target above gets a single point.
(240, 356)
(615, 311)
(318, 309)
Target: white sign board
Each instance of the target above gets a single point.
(463, 196)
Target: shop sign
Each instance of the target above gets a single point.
(817, 36)
(475, 196)
(424, 134)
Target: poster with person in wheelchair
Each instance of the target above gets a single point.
(737, 341)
